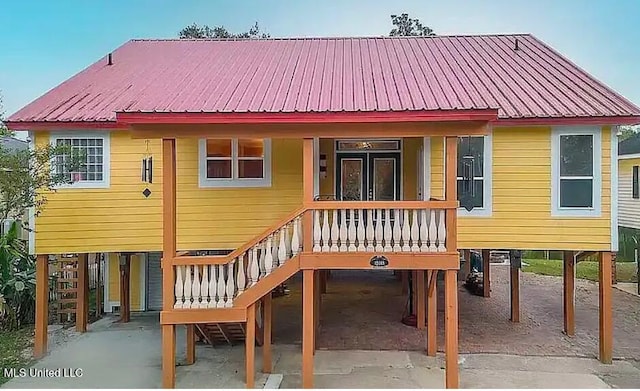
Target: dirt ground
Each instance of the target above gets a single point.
(362, 310)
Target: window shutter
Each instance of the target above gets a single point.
(636, 183)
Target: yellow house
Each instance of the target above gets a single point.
(629, 196)
(237, 163)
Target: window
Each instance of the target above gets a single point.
(94, 147)
(235, 163)
(576, 161)
(635, 184)
(480, 148)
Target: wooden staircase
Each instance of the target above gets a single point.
(231, 334)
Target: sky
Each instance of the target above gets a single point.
(44, 42)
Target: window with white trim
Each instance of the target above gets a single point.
(94, 149)
(576, 166)
(480, 148)
(235, 162)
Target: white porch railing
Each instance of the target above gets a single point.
(217, 285)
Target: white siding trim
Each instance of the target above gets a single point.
(629, 156)
(205, 182)
(487, 207)
(105, 183)
(108, 307)
(596, 209)
(426, 168)
(32, 210)
(614, 188)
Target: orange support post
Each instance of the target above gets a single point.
(191, 344)
(82, 301)
(421, 296)
(168, 356)
(569, 293)
(250, 346)
(486, 273)
(42, 306)
(451, 329)
(308, 329)
(267, 315)
(606, 312)
(432, 313)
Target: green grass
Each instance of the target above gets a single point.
(588, 270)
(12, 344)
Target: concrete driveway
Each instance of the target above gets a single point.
(113, 355)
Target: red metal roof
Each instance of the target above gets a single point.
(328, 75)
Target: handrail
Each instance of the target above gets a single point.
(224, 259)
(315, 205)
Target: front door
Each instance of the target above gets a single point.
(368, 176)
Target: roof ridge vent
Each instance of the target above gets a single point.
(516, 45)
(110, 59)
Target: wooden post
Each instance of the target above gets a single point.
(82, 300)
(317, 294)
(125, 288)
(606, 314)
(168, 356)
(168, 253)
(42, 306)
(267, 314)
(250, 346)
(569, 293)
(191, 344)
(486, 273)
(99, 308)
(308, 291)
(421, 296)
(514, 282)
(432, 313)
(451, 329)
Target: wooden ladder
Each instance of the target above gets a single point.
(66, 287)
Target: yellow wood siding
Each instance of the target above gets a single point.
(629, 208)
(120, 218)
(135, 280)
(521, 216)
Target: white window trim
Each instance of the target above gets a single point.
(234, 181)
(596, 209)
(487, 189)
(105, 183)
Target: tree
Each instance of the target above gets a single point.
(196, 31)
(407, 27)
(27, 175)
(628, 131)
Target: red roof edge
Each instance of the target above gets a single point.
(62, 125)
(297, 117)
(568, 121)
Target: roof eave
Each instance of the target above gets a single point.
(569, 121)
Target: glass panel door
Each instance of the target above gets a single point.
(368, 176)
(384, 177)
(351, 177)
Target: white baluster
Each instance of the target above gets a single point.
(231, 287)
(204, 287)
(387, 231)
(317, 231)
(424, 231)
(442, 232)
(295, 240)
(379, 231)
(335, 231)
(343, 230)
(433, 231)
(222, 287)
(415, 232)
(275, 249)
(179, 287)
(263, 254)
(195, 287)
(326, 231)
(396, 231)
(351, 230)
(287, 239)
(213, 288)
(187, 287)
(360, 231)
(254, 266)
(282, 248)
(369, 230)
(406, 231)
(242, 281)
(268, 258)
(300, 238)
